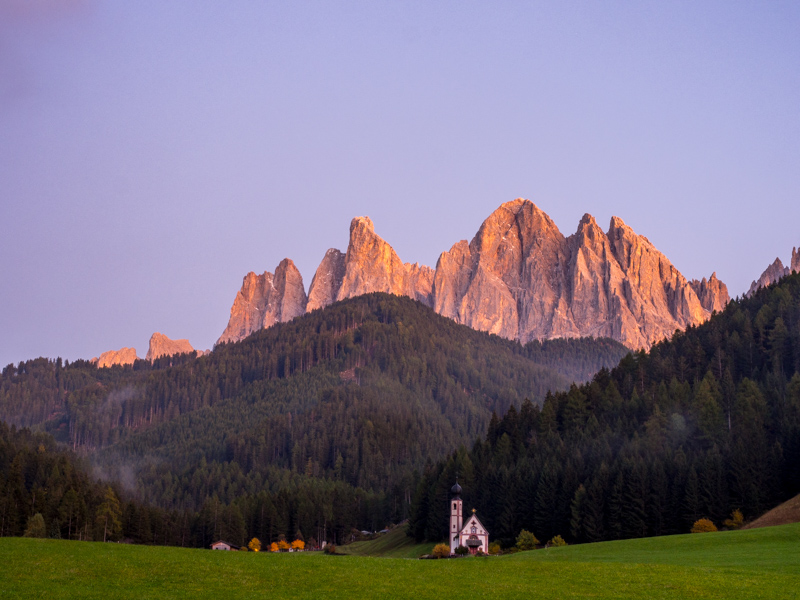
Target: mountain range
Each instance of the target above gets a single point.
(519, 278)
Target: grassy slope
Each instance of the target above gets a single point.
(761, 563)
(395, 544)
(788, 512)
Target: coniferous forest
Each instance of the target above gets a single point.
(703, 424)
(317, 426)
(363, 414)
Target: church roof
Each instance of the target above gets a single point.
(456, 489)
(473, 519)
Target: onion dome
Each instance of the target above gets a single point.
(456, 489)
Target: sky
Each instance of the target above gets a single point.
(152, 153)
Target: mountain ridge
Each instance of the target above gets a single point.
(519, 278)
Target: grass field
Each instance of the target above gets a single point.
(395, 544)
(752, 564)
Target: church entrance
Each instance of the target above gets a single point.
(473, 543)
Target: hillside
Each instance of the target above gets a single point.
(394, 544)
(783, 514)
(752, 565)
(316, 424)
(701, 425)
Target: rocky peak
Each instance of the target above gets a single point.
(712, 293)
(123, 356)
(795, 265)
(519, 277)
(290, 295)
(372, 265)
(327, 280)
(265, 300)
(773, 273)
(362, 223)
(161, 345)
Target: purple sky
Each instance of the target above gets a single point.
(152, 153)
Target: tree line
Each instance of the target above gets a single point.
(703, 424)
(328, 415)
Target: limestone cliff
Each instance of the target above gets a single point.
(519, 278)
(123, 356)
(265, 300)
(327, 280)
(161, 345)
(372, 265)
(712, 293)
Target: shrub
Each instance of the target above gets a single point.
(441, 550)
(736, 521)
(494, 548)
(462, 551)
(330, 549)
(556, 541)
(703, 526)
(35, 527)
(526, 540)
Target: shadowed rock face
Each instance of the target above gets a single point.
(161, 345)
(776, 271)
(265, 300)
(123, 356)
(519, 278)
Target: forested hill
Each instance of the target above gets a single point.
(360, 393)
(702, 424)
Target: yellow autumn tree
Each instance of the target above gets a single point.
(441, 550)
(283, 546)
(703, 526)
(298, 545)
(255, 545)
(273, 547)
(736, 521)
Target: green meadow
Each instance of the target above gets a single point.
(752, 564)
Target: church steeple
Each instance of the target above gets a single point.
(455, 491)
(456, 516)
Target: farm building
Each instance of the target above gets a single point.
(220, 545)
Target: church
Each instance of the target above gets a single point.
(472, 534)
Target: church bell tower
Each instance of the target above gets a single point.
(456, 516)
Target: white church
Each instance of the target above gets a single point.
(472, 534)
